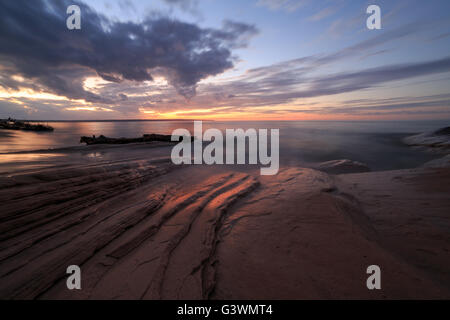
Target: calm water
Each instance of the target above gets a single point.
(377, 144)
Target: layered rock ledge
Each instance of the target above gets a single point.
(146, 229)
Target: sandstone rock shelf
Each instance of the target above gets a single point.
(146, 229)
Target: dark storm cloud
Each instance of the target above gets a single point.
(231, 29)
(36, 44)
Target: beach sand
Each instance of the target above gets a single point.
(142, 228)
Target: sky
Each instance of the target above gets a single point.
(225, 60)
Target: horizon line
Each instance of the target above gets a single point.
(220, 120)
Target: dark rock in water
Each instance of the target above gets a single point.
(443, 131)
(145, 138)
(438, 140)
(12, 124)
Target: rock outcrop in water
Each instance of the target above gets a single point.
(437, 140)
(443, 131)
(12, 124)
(145, 138)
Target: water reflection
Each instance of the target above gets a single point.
(376, 143)
(25, 157)
(15, 162)
(95, 155)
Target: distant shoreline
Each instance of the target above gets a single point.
(122, 120)
(235, 120)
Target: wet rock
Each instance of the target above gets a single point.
(145, 138)
(12, 124)
(437, 140)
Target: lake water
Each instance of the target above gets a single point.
(376, 143)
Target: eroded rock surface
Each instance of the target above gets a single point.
(438, 140)
(146, 229)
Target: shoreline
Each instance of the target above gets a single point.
(137, 226)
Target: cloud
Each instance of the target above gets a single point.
(183, 4)
(37, 46)
(229, 31)
(423, 104)
(285, 83)
(322, 14)
(286, 5)
(38, 52)
(303, 78)
(441, 36)
(190, 6)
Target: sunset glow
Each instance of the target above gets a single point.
(327, 65)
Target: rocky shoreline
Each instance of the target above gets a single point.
(143, 228)
(12, 124)
(438, 140)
